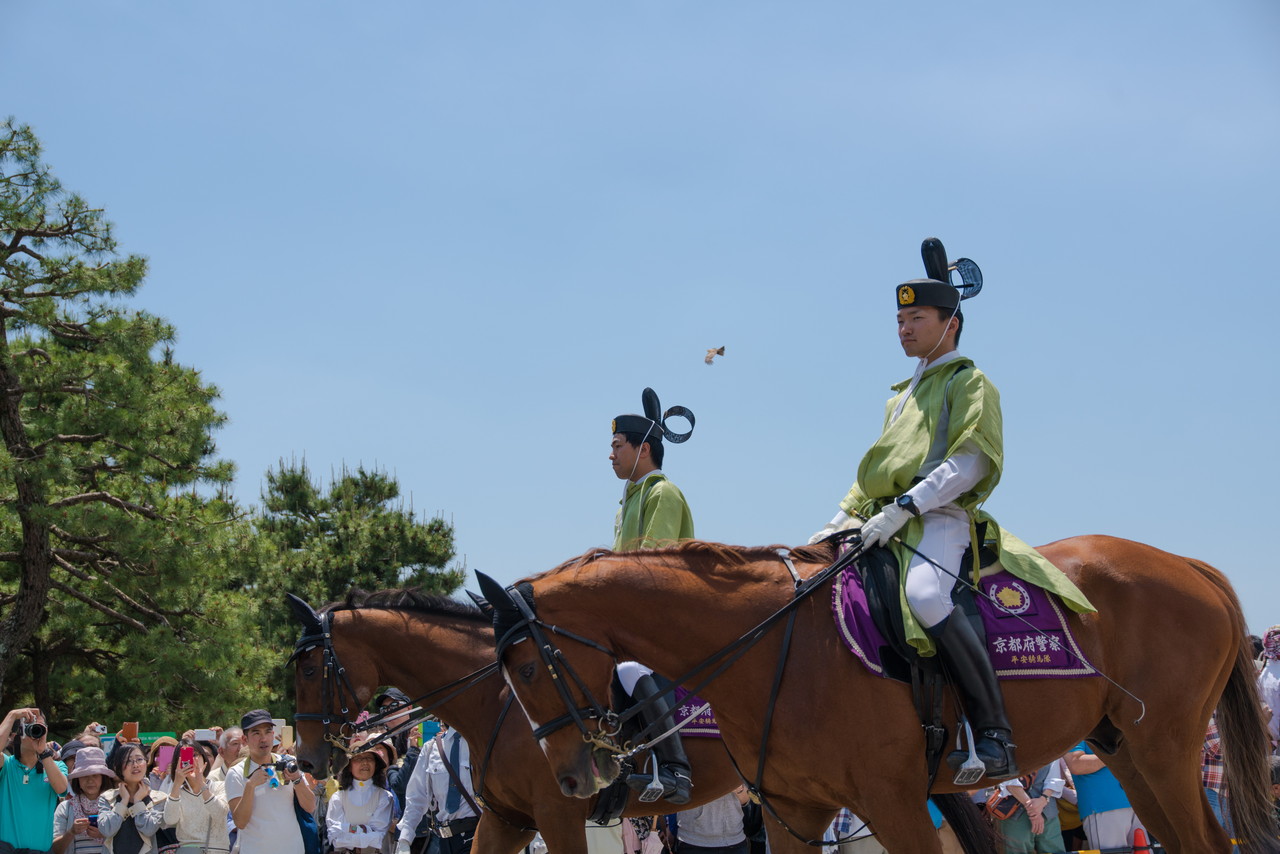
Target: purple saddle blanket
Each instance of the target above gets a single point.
(1027, 632)
(703, 723)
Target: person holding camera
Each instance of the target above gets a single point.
(262, 791)
(75, 822)
(196, 807)
(31, 781)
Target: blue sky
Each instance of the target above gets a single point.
(454, 240)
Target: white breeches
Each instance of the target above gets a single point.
(946, 536)
(629, 673)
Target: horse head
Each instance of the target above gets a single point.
(314, 701)
(560, 701)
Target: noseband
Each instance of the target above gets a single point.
(525, 626)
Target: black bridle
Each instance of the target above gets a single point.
(336, 729)
(530, 628)
(336, 690)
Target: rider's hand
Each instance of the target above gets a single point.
(842, 521)
(881, 527)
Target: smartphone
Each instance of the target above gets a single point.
(129, 731)
(187, 755)
(93, 820)
(164, 757)
(206, 735)
(286, 735)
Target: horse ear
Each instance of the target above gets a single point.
(305, 613)
(481, 603)
(499, 599)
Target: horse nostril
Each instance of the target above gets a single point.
(568, 785)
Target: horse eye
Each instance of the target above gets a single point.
(527, 670)
(309, 672)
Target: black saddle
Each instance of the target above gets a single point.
(880, 577)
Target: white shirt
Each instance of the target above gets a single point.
(428, 786)
(354, 801)
(273, 827)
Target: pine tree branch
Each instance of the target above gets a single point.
(35, 351)
(70, 439)
(108, 498)
(120, 594)
(92, 603)
(25, 250)
(75, 538)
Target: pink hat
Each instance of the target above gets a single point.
(90, 761)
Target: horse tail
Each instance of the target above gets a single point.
(975, 833)
(1245, 742)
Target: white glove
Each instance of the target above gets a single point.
(882, 526)
(403, 845)
(842, 521)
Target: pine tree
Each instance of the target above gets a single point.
(114, 512)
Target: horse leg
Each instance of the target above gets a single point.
(563, 825)
(808, 822)
(901, 826)
(1162, 782)
(496, 836)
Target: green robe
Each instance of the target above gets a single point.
(653, 514)
(892, 464)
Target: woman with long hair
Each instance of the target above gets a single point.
(128, 817)
(196, 808)
(75, 821)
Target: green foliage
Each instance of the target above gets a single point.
(119, 547)
(357, 533)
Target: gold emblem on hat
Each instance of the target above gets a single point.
(906, 295)
(614, 422)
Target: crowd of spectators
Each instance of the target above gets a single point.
(239, 789)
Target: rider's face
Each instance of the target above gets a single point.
(920, 328)
(623, 456)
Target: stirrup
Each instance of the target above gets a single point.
(654, 790)
(972, 769)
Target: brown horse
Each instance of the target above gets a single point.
(419, 643)
(1168, 630)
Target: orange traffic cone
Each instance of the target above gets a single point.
(1140, 843)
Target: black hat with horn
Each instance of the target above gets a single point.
(936, 289)
(653, 424)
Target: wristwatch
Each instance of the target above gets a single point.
(906, 502)
(47, 753)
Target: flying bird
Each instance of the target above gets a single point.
(712, 353)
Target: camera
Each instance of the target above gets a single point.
(287, 766)
(34, 730)
(98, 729)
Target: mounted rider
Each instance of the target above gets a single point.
(924, 480)
(653, 514)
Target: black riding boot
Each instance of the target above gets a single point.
(965, 656)
(673, 764)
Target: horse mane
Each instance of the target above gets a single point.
(696, 554)
(412, 599)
